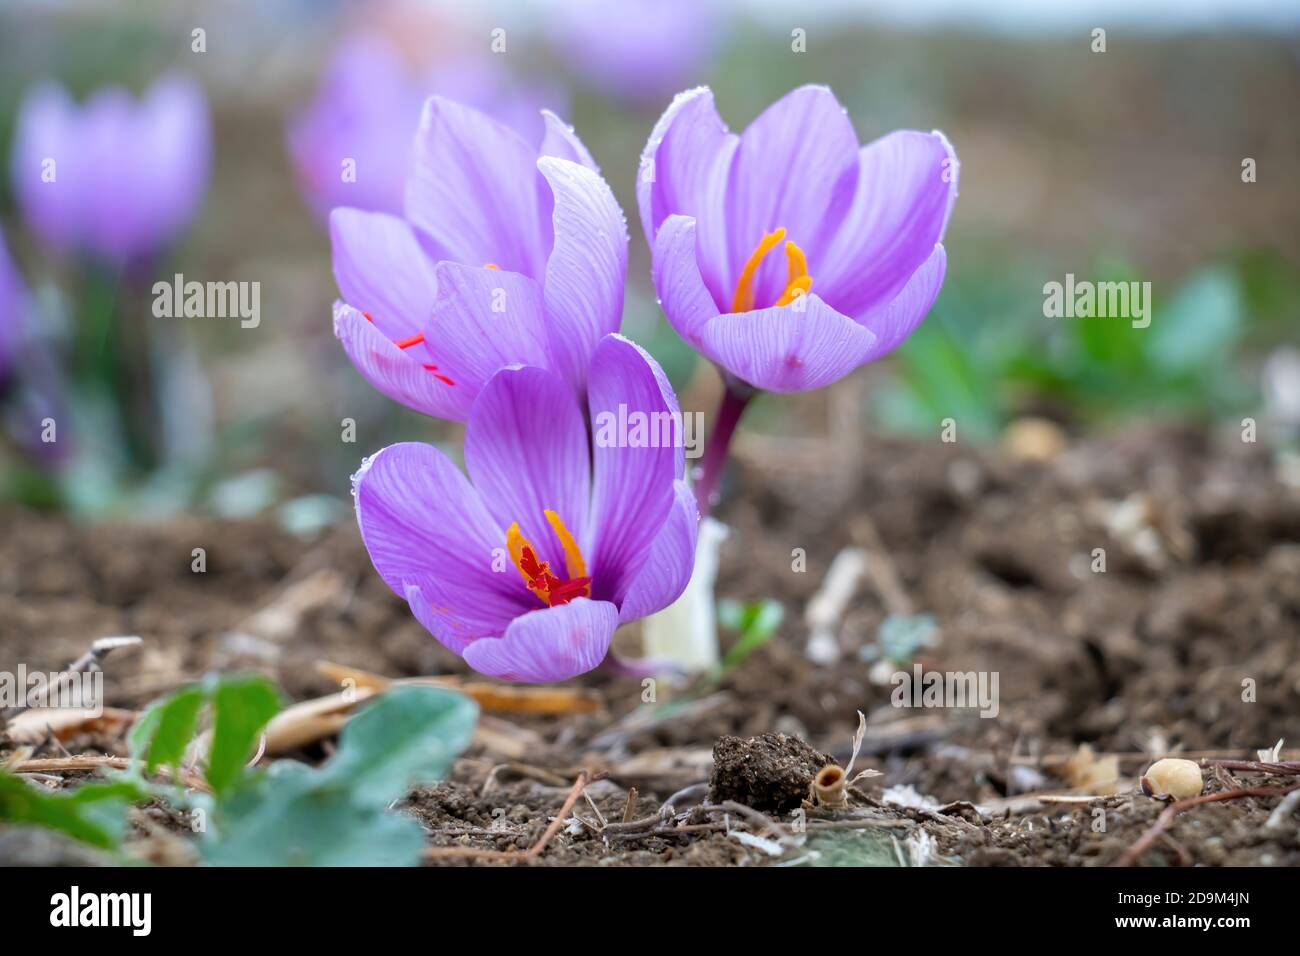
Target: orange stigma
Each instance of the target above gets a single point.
(406, 343)
(798, 281)
(537, 574)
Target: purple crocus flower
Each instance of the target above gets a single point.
(527, 568)
(861, 228)
(116, 178)
(352, 145)
(508, 254)
(638, 51)
(15, 308)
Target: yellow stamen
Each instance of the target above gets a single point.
(573, 560)
(799, 287)
(796, 263)
(491, 265)
(743, 300)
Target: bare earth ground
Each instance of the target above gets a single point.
(1201, 593)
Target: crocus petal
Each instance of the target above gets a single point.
(174, 155)
(792, 348)
(526, 451)
(634, 472)
(682, 293)
(362, 122)
(668, 568)
(895, 320)
(587, 267)
(548, 645)
(484, 320)
(381, 269)
(14, 315)
(424, 525)
(796, 168)
(684, 170)
(907, 184)
(474, 190)
(46, 132)
(562, 142)
(394, 372)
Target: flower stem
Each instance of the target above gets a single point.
(709, 473)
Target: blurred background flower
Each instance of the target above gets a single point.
(638, 51)
(352, 145)
(116, 178)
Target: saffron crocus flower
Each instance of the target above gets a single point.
(527, 568)
(508, 254)
(638, 50)
(789, 255)
(117, 178)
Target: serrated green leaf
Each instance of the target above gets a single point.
(241, 708)
(94, 813)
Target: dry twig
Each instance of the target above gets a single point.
(474, 853)
(1133, 853)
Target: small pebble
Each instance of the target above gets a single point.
(1172, 777)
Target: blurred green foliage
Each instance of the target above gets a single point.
(986, 354)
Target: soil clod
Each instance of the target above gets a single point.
(771, 772)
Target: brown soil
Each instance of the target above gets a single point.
(1200, 599)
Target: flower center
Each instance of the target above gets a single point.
(798, 281)
(406, 343)
(537, 574)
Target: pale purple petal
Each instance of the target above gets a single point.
(793, 348)
(174, 155)
(394, 372)
(484, 320)
(46, 132)
(637, 50)
(684, 170)
(796, 168)
(682, 294)
(562, 142)
(668, 568)
(587, 267)
(907, 184)
(381, 269)
(526, 451)
(634, 470)
(548, 645)
(15, 302)
(425, 525)
(475, 190)
(352, 145)
(895, 320)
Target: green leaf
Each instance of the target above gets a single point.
(1201, 325)
(165, 729)
(756, 621)
(241, 708)
(94, 813)
(295, 815)
(408, 735)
